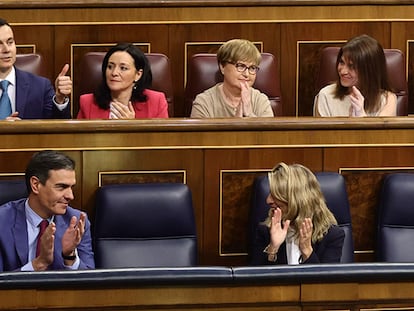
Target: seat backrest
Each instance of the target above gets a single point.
(91, 69)
(30, 62)
(204, 72)
(334, 190)
(395, 242)
(11, 190)
(396, 71)
(145, 225)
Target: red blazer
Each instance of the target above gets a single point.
(155, 107)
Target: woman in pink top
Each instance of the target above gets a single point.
(124, 93)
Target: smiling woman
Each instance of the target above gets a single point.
(299, 228)
(124, 93)
(235, 97)
(362, 88)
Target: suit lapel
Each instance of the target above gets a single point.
(60, 230)
(20, 234)
(22, 91)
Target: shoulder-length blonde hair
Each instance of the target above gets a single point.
(298, 187)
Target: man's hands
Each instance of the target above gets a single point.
(13, 117)
(73, 235)
(47, 246)
(70, 241)
(63, 85)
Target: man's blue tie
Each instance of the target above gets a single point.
(5, 104)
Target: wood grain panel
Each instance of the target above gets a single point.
(185, 11)
(402, 35)
(364, 170)
(42, 38)
(213, 297)
(361, 295)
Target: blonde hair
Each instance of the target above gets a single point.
(238, 50)
(298, 187)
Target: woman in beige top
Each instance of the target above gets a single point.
(239, 61)
(362, 87)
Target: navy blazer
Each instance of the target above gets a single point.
(14, 248)
(327, 250)
(34, 98)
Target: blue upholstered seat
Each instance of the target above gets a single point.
(11, 190)
(395, 241)
(333, 188)
(145, 225)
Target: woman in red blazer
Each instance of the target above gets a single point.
(124, 93)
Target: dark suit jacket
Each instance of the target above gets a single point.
(14, 249)
(327, 250)
(34, 98)
(156, 106)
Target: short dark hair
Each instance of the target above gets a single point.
(3, 22)
(42, 162)
(103, 94)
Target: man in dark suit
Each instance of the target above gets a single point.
(31, 96)
(64, 242)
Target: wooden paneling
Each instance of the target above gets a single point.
(98, 293)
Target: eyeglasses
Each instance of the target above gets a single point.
(242, 68)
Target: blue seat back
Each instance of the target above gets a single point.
(395, 238)
(145, 225)
(11, 190)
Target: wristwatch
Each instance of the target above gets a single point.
(271, 255)
(70, 257)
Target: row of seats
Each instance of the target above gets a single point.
(203, 72)
(155, 223)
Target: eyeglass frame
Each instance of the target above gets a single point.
(240, 67)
